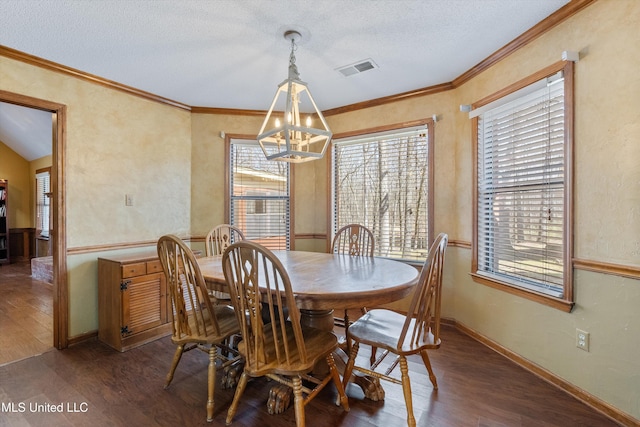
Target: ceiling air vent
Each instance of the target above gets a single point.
(358, 67)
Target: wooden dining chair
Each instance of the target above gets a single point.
(280, 349)
(354, 240)
(218, 239)
(221, 237)
(196, 321)
(404, 335)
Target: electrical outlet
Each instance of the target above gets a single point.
(582, 339)
(128, 200)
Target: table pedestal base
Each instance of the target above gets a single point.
(370, 386)
(318, 319)
(280, 396)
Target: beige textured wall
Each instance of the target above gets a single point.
(208, 166)
(116, 144)
(607, 210)
(15, 169)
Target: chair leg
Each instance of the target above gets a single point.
(174, 364)
(244, 378)
(298, 401)
(211, 386)
(342, 397)
(406, 389)
(372, 358)
(427, 363)
(346, 330)
(350, 364)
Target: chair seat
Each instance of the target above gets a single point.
(381, 328)
(227, 321)
(318, 344)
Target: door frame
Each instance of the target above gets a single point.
(58, 187)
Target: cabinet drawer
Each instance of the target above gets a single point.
(154, 267)
(133, 270)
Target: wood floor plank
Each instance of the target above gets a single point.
(26, 313)
(477, 387)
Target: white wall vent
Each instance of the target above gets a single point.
(358, 67)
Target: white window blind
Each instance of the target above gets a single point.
(521, 191)
(260, 204)
(381, 181)
(43, 202)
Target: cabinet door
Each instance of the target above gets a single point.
(144, 303)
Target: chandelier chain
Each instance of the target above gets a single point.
(292, 56)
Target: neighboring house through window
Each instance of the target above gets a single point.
(522, 200)
(259, 195)
(382, 179)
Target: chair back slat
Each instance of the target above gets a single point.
(192, 311)
(220, 238)
(258, 282)
(423, 316)
(353, 239)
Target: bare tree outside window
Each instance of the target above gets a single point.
(383, 183)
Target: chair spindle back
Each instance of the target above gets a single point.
(220, 238)
(192, 311)
(423, 317)
(353, 239)
(258, 281)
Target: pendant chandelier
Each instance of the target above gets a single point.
(288, 139)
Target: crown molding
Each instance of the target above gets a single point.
(63, 69)
(229, 111)
(565, 12)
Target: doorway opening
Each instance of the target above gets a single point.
(57, 205)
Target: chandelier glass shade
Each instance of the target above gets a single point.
(294, 129)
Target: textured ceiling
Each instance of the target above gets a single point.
(232, 54)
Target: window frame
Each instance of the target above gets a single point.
(566, 302)
(228, 138)
(429, 123)
(46, 206)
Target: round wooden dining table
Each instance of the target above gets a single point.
(325, 282)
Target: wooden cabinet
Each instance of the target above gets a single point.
(4, 221)
(133, 300)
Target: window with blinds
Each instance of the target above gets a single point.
(259, 195)
(43, 202)
(521, 189)
(383, 181)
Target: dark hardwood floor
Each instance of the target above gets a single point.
(95, 385)
(26, 313)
